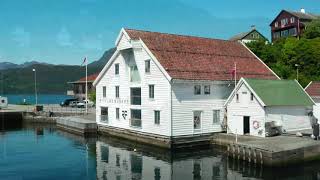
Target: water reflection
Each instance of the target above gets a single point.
(25, 153)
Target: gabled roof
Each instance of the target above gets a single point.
(280, 92)
(242, 35)
(196, 58)
(91, 78)
(300, 15)
(277, 92)
(313, 89)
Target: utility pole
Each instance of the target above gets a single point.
(35, 85)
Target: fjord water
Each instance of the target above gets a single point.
(44, 152)
(30, 98)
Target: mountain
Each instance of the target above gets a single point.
(19, 79)
(9, 65)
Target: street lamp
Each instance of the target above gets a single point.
(297, 65)
(35, 85)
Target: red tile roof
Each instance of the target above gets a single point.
(313, 89)
(91, 78)
(196, 58)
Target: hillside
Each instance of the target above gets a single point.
(50, 78)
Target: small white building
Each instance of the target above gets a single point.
(167, 86)
(313, 89)
(254, 102)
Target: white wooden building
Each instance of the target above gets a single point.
(170, 86)
(313, 89)
(255, 102)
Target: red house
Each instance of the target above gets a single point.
(290, 23)
(79, 87)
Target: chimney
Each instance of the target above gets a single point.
(302, 10)
(253, 27)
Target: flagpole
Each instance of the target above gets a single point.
(86, 85)
(235, 74)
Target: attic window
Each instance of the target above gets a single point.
(276, 24)
(251, 97)
(237, 97)
(197, 90)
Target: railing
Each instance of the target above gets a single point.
(55, 108)
(135, 122)
(104, 118)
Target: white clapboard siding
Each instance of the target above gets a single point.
(244, 107)
(291, 118)
(161, 101)
(316, 111)
(184, 103)
(124, 43)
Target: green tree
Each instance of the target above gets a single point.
(92, 96)
(312, 29)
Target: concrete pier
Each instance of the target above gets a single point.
(77, 125)
(271, 151)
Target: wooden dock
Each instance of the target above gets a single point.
(77, 125)
(271, 151)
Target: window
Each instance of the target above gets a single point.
(117, 113)
(197, 89)
(151, 91)
(216, 116)
(135, 96)
(104, 91)
(284, 22)
(117, 91)
(276, 24)
(118, 160)
(251, 97)
(134, 74)
(104, 114)
(116, 69)
(157, 175)
(156, 117)
(197, 120)
(293, 32)
(276, 35)
(147, 66)
(292, 20)
(284, 33)
(206, 89)
(135, 117)
(237, 97)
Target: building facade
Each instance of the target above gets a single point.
(290, 24)
(79, 87)
(256, 102)
(169, 86)
(246, 37)
(313, 89)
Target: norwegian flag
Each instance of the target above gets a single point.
(84, 61)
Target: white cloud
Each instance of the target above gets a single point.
(64, 37)
(21, 36)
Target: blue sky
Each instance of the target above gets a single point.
(64, 31)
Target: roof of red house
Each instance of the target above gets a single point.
(91, 78)
(196, 58)
(313, 89)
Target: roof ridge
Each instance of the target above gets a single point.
(182, 35)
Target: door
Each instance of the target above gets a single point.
(197, 121)
(246, 125)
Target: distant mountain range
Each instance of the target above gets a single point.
(9, 65)
(19, 78)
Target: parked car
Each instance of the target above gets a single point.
(3, 102)
(74, 104)
(67, 102)
(83, 103)
(272, 129)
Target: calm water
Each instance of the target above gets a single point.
(43, 152)
(30, 98)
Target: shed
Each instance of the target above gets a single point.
(255, 102)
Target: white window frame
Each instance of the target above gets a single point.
(147, 66)
(292, 19)
(116, 69)
(193, 115)
(117, 91)
(151, 93)
(104, 91)
(157, 121)
(194, 90)
(204, 89)
(218, 111)
(276, 24)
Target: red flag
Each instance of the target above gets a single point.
(233, 72)
(84, 61)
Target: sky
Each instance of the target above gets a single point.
(65, 31)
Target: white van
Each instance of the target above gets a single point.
(3, 102)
